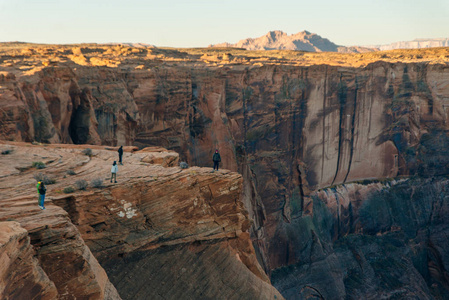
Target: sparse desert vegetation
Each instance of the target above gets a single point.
(81, 184)
(44, 178)
(87, 152)
(38, 165)
(68, 190)
(96, 183)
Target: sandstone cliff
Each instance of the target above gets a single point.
(65, 267)
(291, 123)
(374, 240)
(21, 275)
(160, 233)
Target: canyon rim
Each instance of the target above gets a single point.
(334, 183)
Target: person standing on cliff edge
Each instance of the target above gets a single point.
(114, 171)
(216, 158)
(120, 154)
(41, 191)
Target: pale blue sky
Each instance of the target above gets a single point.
(198, 23)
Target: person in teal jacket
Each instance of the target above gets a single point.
(41, 190)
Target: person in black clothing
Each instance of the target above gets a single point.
(216, 158)
(120, 154)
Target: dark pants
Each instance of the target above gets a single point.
(120, 158)
(114, 175)
(216, 164)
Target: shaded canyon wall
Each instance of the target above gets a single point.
(372, 241)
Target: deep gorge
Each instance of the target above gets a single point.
(344, 168)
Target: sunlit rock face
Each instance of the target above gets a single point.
(291, 125)
(302, 41)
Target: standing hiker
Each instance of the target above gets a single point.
(216, 158)
(114, 170)
(120, 154)
(41, 191)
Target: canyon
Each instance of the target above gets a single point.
(343, 159)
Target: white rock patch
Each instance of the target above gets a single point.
(127, 210)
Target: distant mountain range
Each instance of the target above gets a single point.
(415, 44)
(135, 45)
(304, 41)
(307, 41)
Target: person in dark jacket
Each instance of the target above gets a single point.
(216, 158)
(41, 190)
(120, 154)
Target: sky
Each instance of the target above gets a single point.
(199, 23)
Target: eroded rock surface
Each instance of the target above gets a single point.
(290, 122)
(175, 222)
(380, 240)
(60, 250)
(20, 274)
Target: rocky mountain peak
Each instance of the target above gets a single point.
(279, 40)
(275, 34)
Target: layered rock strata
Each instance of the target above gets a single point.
(20, 273)
(380, 240)
(65, 262)
(182, 225)
(289, 122)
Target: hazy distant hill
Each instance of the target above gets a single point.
(417, 43)
(305, 41)
(136, 45)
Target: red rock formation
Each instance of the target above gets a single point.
(192, 219)
(160, 156)
(21, 276)
(290, 122)
(61, 252)
(297, 128)
(372, 240)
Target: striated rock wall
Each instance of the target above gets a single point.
(378, 240)
(295, 129)
(21, 276)
(329, 122)
(65, 267)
